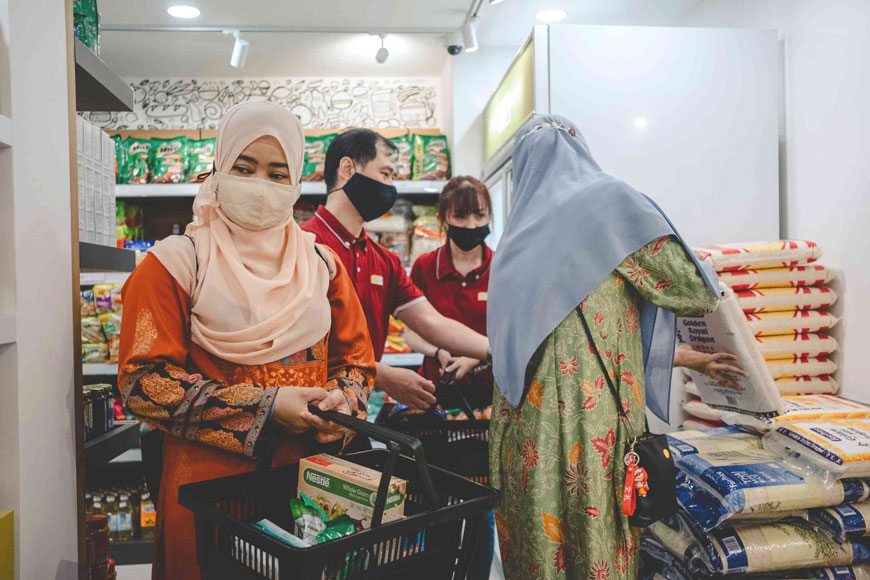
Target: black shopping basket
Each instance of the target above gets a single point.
(461, 446)
(443, 517)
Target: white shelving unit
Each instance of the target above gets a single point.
(92, 278)
(99, 369)
(411, 359)
(308, 188)
(8, 331)
(5, 132)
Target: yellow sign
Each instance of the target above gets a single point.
(511, 104)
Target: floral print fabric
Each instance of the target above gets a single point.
(557, 459)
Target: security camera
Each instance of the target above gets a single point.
(453, 43)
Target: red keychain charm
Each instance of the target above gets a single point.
(636, 483)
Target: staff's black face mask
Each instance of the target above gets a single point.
(370, 197)
(467, 238)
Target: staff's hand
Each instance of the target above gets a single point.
(462, 365)
(291, 411)
(714, 365)
(444, 359)
(409, 388)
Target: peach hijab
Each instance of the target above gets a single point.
(256, 296)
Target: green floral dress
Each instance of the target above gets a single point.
(557, 459)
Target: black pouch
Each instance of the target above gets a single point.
(653, 455)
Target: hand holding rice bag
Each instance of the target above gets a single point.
(803, 408)
(838, 446)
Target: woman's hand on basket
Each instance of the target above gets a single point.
(291, 411)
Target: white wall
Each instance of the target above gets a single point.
(475, 78)
(46, 510)
(827, 140)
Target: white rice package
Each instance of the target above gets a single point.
(660, 563)
(785, 299)
(838, 446)
(823, 385)
(789, 545)
(726, 330)
(791, 322)
(758, 255)
(778, 277)
(800, 345)
(711, 441)
(844, 521)
(800, 408)
(801, 367)
(697, 408)
(691, 389)
(693, 423)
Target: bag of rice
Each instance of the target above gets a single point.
(711, 441)
(838, 446)
(698, 409)
(844, 521)
(785, 299)
(823, 385)
(800, 408)
(200, 157)
(691, 389)
(778, 254)
(431, 158)
(726, 330)
(801, 345)
(658, 562)
(315, 156)
(791, 322)
(801, 367)
(777, 277)
(694, 424)
(674, 534)
(168, 160)
(404, 158)
(751, 548)
(757, 480)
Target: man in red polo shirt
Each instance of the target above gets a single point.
(359, 170)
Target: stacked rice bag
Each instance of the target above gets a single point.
(101, 311)
(784, 296)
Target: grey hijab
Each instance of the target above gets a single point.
(570, 226)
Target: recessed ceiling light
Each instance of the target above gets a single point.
(552, 15)
(182, 11)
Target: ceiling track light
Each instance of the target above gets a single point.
(240, 49)
(383, 54)
(469, 35)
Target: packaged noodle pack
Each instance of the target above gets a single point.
(341, 487)
(778, 277)
(838, 446)
(168, 160)
(315, 156)
(726, 330)
(801, 345)
(800, 408)
(712, 441)
(404, 157)
(791, 322)
(759, 255)
(431, 158)
(200, 157)
(756, 480)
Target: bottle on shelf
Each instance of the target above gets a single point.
(148, 517)
(111, 510)
(125, 521)
(97, 508)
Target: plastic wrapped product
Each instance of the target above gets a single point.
(675, 535)
(770, 547)
(785, 299)
(790, 322)
(726, 330)
(95, 353)
(801, 345)
(315, 156)
(657, 562)
(800, 408)
(431, 158)
(844, 521)
(698, 409)
(87, 306)
(777, 254)
(92, 330)
(838, 446)
(122, 162)
(137, 153)
(711, 441)
(428, 236)
(756, 480)
(778, 277)
(801, 367)
(107, 298)
(693, 423)
(111, 323)
(168, 160)
(200, 158)
(823, 385)
(405, 157)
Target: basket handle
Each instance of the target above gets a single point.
(448, 383)
(395, 442)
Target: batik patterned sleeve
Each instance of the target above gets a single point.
(350, 357)
(664, 274)
(158, 388)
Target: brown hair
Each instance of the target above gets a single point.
(463, 195)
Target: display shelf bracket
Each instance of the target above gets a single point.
(99, 369)
(97, 87)
(108, 446)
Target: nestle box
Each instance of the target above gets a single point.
(342, 487)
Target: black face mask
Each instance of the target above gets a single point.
(467, 238)
(370, 197)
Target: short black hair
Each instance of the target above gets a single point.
(361, 145)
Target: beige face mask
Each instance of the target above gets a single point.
(255, 204)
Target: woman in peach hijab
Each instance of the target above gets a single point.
(231, 330)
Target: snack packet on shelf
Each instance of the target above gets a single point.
(315, 156)
(138, 153)
(168, 160)
(405, 156)
(122, 161)
(87, 306)
(431, 158)
(200, 158)
(92, 330)
(428, 236)
(95, 353)
(107, 298)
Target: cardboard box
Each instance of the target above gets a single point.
(339, 486)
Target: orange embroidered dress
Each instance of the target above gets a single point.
(216, 411)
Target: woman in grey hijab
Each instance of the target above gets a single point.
(578, 244)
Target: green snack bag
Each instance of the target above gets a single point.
(404, 158)
(168, 160)
(309, 518)
(315, 156)
(337, 528)
(200, 157)
(431, 158)
(122, 163)
(138, 152)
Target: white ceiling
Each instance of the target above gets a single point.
(206, 54)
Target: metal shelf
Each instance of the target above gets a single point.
(134, 552)
(5, 132)
(8, 329)
(312, 188)
(407, 360)
(100, 369)
(97, 87)
(97, 258)
(109, 445)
